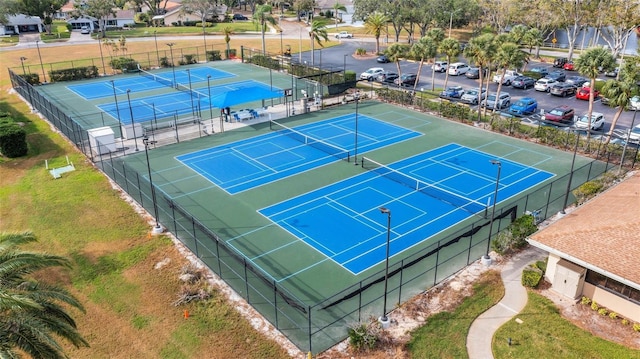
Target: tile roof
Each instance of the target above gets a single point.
(604, 232)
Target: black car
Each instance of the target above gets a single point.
(474, 73)
(406, 80)
(563, 89)
(523, 82)
(382, 59)
(387, 76)
(560, 61)
(557, 75)
(576, 80)
(239, 17)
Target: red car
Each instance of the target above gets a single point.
(583, 93)
(568, 66)
(562, 114)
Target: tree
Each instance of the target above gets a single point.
(425, 48)
(509, 55)
(436, 35)
(100, 9)
(479, 50)
(574, 16)
(394, 53)
(621, 19)
(7, 7)
(204, 9)
(156, 7)
(619, 92)
(376, 24)
(517, 33)
(451, 48)
(32, 317)
(42, 8)
(589, 65)
(317, 34)
(227, 31)
(533, 38)
(262, 17)
(337, 7)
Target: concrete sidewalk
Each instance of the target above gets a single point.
(515, 298)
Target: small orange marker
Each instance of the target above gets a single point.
(148, 235)
(186, 314)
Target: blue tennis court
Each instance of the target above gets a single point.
(137, 84)
(181, 103)
(343, 221)
(249, 163)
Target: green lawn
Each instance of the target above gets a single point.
(217, 28)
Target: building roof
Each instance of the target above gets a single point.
(602, 234)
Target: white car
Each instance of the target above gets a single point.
(471, 96)
(491, 102)
(634, 134)
(440, 66)
(509, 75)
(544, 84)
(85, 30)
(371, 74)
(458, 68)
(343, 35)
(634, 103)
(597, 121)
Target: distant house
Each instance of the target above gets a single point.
(324, 5)
(18, 24)
(177, 15)
(121, 19)
(594, 251)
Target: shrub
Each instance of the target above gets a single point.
(603, 311)
(625, 321)
(587, 190)
(360, 51)
(124, 63)
(636, 327)
(214, 55)
(362, 336)
(33, 79)
(77, 73)
(515, 235)
(349, 75)
(531, 276)
(231, 53)
(164, 62)
(594, 305)
(188, 59)
(13, 140)
(585, 301)
(265, 61)
(613, 315)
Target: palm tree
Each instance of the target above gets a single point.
(227, 31)
(517, 33)
(533, 38)
(376, 24)
(337, 7)
(32, 317)
(479, 51)
(262, 17)
(509, 55)
(589, 65)
(436, 35)
(451, 48)
(619, 92)
(394, 53)
(424, 48)
(317, 33)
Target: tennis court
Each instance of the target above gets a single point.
(147, 82)
(259, 160)
(426, 194)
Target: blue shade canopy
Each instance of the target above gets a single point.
(243, 95)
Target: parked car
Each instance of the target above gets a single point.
(387, 77)
(634, 134)
(471, 95)
(85, 30)
(544, 84)
(523, 82)
(458, 68)
(542, 71)
(568, 66)
(239, 17)
(634, 103)
(577, 81)
(524, 106)
(452, 92)
(492, 101)
(559, 62)
(371, 74)
(344, 35)
(562, 114)
(557, 75)
(612, 73)
(440, 66)
(604, 101)
(562, 89)
(382, 59)
(406, 80)
(597, 121)
(583, 93)
(474, 73)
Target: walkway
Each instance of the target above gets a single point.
(515, 298)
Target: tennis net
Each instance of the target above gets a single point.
(156, 78)
(194, 94)
(467, 204)
(333, 150)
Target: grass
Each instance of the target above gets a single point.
(544, 331)
(445, 334)
(238, 27)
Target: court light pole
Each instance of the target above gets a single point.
(133, 125)
(344, 64)
(155, 39)
(486, 259)
(356, 97)
(44, 76)
(573, 162)
(157, 229)
(173, 66)
(193, 112)
(626, 142)
(209, 93)
(22, 58)
(384, 320)
(115, 98)
(104, 68)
